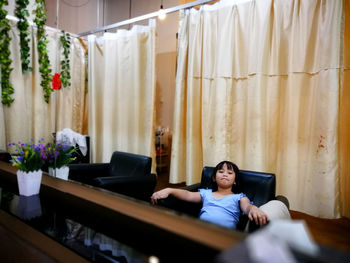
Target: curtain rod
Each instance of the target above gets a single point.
(144, 17)
(31, 23)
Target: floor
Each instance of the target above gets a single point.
(334, 233)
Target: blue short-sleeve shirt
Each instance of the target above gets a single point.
(224, 211)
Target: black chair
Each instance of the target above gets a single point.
(5, 156)
(79, 157)
(128, 174)
(259, 187)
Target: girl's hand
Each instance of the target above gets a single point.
(164, 193)
(257, 215)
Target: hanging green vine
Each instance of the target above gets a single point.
(22, 13)
(44, 61)
(65, 40)
(5, 60)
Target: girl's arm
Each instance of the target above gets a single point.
(194, 197)
(253, 212)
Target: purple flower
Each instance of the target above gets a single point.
(20, 158)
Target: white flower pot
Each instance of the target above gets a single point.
(61, 173)
(29, 183)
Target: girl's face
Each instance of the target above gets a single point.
(224, 177)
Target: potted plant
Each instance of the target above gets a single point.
(28, 159)
(57, 156)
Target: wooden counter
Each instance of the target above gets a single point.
(150, 229)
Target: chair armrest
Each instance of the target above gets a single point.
(85, 173)
(139, 187)
(88, 166)
(112, 180)
(192, 187)
(181, 206)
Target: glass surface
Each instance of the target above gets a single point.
(85, 241)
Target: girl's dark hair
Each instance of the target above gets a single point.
(230, 166)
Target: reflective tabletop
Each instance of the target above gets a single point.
(47, 218)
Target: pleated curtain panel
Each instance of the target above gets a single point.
(29, 116)
(122, 92)
(259, 83)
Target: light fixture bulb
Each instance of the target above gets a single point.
(161, 13)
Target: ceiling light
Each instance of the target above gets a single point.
(161, 13)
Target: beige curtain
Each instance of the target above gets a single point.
(30, 116)
(258, 83)
(122, 92)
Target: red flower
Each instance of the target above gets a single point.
(56, 81)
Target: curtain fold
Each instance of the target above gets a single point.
(258, 83)
(122, 92)
(29, 116)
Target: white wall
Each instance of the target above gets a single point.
(74, 16)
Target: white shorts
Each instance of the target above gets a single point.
(275, 209)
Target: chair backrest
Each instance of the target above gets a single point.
(259, 187)
(129, 164)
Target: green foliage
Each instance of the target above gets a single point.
(21, 12)
(65, 40)
(58, 154)
(44, 61)
(5, 60)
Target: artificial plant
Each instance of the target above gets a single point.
(22, 13)
(5, 60)
(44, 62)
(65, 40)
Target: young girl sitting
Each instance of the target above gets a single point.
(220, 206)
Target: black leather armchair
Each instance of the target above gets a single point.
(128, 174)
(259, 188)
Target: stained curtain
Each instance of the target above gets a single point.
(122, 92)
(29, 116)
(258, 83)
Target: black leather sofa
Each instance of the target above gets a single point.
(258, 186)
(128, 174)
